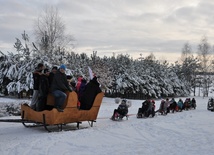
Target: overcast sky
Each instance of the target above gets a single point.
(131, 27)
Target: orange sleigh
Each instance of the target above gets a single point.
(71, 113)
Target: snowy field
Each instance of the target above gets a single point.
(182, 133)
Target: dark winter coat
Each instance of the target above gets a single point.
(193, 101)
(36, 79)
(60, 82)
(145, 106)
(162, 105)
(50, 78)
(89, 94)
(43, 93)
(173, 104)
(122, 109)
(44, 85)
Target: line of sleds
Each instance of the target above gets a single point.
(53, 120)
(167, 106)
(148, 108)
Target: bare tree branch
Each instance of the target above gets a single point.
(49, 31)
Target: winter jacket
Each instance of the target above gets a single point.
(60, 82)
(145, 106)
(89, 94)
(36, 79)
(193, 101)
(43, 93)
(122, 109)
(150, 106)
(50, 78)
(44, 85)
(173, 103)
(167, 104)
(180, 104)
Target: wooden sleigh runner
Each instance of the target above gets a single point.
(71, 114)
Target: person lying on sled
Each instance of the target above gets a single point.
(121, 111)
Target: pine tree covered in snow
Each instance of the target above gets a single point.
(121, 75)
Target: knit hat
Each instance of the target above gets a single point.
(62, 67)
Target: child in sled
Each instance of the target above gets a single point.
(163, 108)
(173, 106)
(187, 104)
(121, 111)
(147, 109)
(180, 105)
(152, 108)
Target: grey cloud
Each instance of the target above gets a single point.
(117, 25)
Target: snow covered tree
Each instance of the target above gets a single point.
(23, 50)
(4, 66)
(119, 75)
(190, 67)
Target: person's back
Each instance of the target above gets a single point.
(180, 104)
(151, 108)
(145, 106)
(193, 100)
(36, 80)
(211, 100)
(162, 109)
(43, 91)
(153, 105)
(173, 105)
(162, 105)
(51, 75)
(91, 90)
(187, 103)
(193, 103)
(59, 82)
(167, 103)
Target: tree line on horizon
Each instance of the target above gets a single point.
(120, 76)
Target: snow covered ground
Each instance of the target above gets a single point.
(182, 133)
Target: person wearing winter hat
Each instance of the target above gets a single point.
(63, 67)
(59, 86)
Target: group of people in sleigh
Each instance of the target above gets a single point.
(57, 83)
